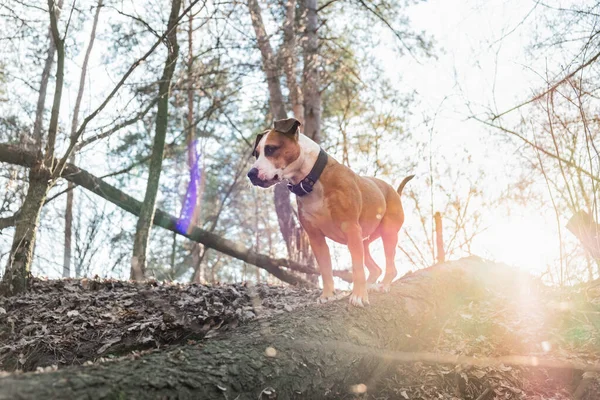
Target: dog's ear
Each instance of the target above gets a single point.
(287, 126)
(256, 142)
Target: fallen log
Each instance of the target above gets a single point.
(19, 156)
(328, 351)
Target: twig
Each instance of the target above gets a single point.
(484, 394)
(551, 88)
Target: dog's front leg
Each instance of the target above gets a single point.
(359, 295)
(321, 250)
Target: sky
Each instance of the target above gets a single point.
(481, 59)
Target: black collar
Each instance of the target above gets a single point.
(305, 186)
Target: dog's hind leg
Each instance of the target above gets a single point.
(374, 270)
(359, 296)
(390, 241)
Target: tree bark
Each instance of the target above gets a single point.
(314, 353)
(142, 234)
(310, 75)
(70, 192)
(18, 268)
(21, 253)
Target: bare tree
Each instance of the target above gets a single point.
(74, 125)
(310, 75)
(41, 103)
(21, 254)
(138, 259)
(288, 53)
(288, 224)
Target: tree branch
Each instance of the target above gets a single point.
(7, 222)
(18, 156)
(63, 161)
(541, 149)
(551, 88)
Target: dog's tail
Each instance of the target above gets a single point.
(403, 183)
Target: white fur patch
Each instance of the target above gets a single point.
(309, 151)
(266, 169)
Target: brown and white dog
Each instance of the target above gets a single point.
(333, 202)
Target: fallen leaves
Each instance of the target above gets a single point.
(62, 322)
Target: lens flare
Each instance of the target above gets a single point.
(191, 206)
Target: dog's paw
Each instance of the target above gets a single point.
(329, 298)
(373, 287)
(359, 301)
(382, 288)
(325, 299)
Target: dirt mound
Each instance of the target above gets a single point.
(64, 322)
(449, 325)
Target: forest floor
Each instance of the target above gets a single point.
(81, 322)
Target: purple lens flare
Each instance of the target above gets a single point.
(191, 206)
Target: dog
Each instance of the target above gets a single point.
(333, 202)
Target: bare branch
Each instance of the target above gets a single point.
(117, 127)
(63, 161)
(7, 222)
(16, 155)
(541, 149)
(551, 89)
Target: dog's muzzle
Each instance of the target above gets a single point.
(256, 181)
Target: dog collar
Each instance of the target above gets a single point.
(305, 186)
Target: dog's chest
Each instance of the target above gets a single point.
(315, 211)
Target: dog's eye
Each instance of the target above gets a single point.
(270, 150)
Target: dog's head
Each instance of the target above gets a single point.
(275, 150)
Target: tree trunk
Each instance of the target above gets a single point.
(21, 253)
(439, 238)
(66, 273)
(38, 135)
(289, 60)
(49, 160)
(313, 353)
(268, 60)
(199, 274)
(310, 75)
(289, 227)
(74, 123)
(142, 234)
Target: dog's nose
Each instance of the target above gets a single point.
(253, 174)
